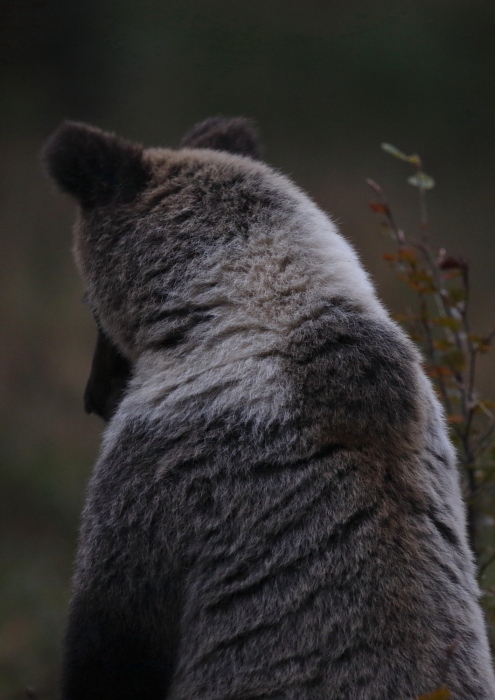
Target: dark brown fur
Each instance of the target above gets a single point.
(275, 512)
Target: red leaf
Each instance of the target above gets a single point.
(452, 263)
(407, 254)
(439, 371)
(379, 208)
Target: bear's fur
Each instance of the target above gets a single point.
(275, 511)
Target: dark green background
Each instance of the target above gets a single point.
(326, 82)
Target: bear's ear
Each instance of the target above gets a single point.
(94, 166)
(110, 373)
(235, 135)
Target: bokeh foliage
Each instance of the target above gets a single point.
(439, 321)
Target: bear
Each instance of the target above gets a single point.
(275, 510)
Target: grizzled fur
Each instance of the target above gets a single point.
(275, 512)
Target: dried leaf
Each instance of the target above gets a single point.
(442, 344)
(421, 288)
(419, 280)
(455, 419)
(482, 344)
(484, 347)
(379, 208)
(422, 180)
(407, 254)
(439, 371)
(451, 274)
(479, 343)
(389, 257)
(453, 263)
(447, 322)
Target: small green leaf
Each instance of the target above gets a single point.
(415, 160)
(393, 151)
(422, 180)
(387, 230)
(396, 153)
(456, 295)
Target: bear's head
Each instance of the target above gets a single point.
(145, 215)
(196, 258)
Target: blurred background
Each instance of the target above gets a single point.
(327, 82)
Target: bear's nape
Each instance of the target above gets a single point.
(236, 135)
(94, 166)
(108, 378)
